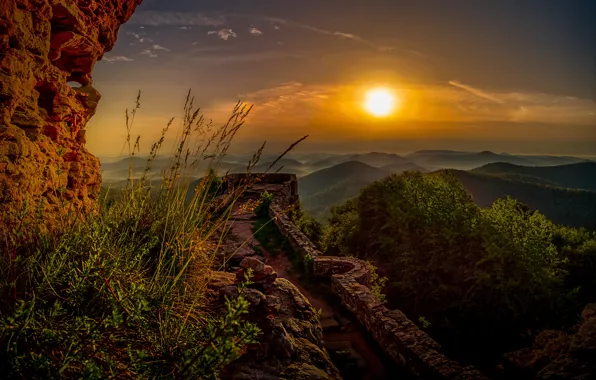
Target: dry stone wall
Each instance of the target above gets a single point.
(44, 45)
(399, 337)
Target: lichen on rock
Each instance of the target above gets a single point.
(45, 168)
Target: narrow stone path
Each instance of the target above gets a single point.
(345, 339)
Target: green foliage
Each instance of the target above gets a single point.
(262, 209)
(377, 284)
(424, 322)
(578, 249)
(269, 237)
(478, 275)
(341, 231)
(226, 339)
(309, 226)
(114, 296)
(213, 183)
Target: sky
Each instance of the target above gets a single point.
(508, 75)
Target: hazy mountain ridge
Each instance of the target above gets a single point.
(575, 208)
(303, 164)
(562, 193)
(470, 160)
(546, 188)
(577, 176)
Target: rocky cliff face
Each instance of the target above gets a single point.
(45, 45)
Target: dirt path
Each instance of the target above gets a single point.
(346, 340)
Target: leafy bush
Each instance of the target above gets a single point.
(122, 293)
(578, 249)
(309, 226)
(262, 209)
(377, 284)
(478, 275)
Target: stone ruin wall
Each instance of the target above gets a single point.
(399, 337)
(44, 44)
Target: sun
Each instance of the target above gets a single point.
(380, 102)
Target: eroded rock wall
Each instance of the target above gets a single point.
(45, 44)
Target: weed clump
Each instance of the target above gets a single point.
(262, 209)
(122, 292)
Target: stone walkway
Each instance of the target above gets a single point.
(342, 335)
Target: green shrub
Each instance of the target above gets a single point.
(377, 284)
(262, 209)
(478, 275)
(309, 226)
(122, 293)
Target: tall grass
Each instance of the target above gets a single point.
(122, 292)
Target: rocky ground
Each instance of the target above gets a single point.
(302, 330)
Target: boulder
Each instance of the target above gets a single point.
(289, 346)
(557, 355)
(262, 275)
(584, 342)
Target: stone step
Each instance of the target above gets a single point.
(330, 324)
(339, 345)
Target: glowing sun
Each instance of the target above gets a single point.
(380, 102)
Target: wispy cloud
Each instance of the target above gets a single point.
(159, 47)
(140, 38)
(117, 58)
(254, 31)
(149, 53)
(244, 57)
(296, 103)
(224, 34)
(522, 107)
(287, 104)
(187, 20)
(348, 36)
(351, 36)
(184, 19)
(476, 91)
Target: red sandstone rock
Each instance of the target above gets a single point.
(43, 160)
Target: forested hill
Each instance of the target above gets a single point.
(575, 176)
(570, 207)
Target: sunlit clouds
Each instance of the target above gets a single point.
(117, 58)
(224, 34)
(306, 68)
(254, 31)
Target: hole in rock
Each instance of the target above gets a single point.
(46, 97)
(74, 84)
(13, 42)
(62, 20)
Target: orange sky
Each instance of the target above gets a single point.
(507, 75)
(329, 113)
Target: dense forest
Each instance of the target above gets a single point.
(483, 280)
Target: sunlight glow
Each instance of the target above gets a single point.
(380, 102)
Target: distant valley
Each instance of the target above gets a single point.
(562, 188)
